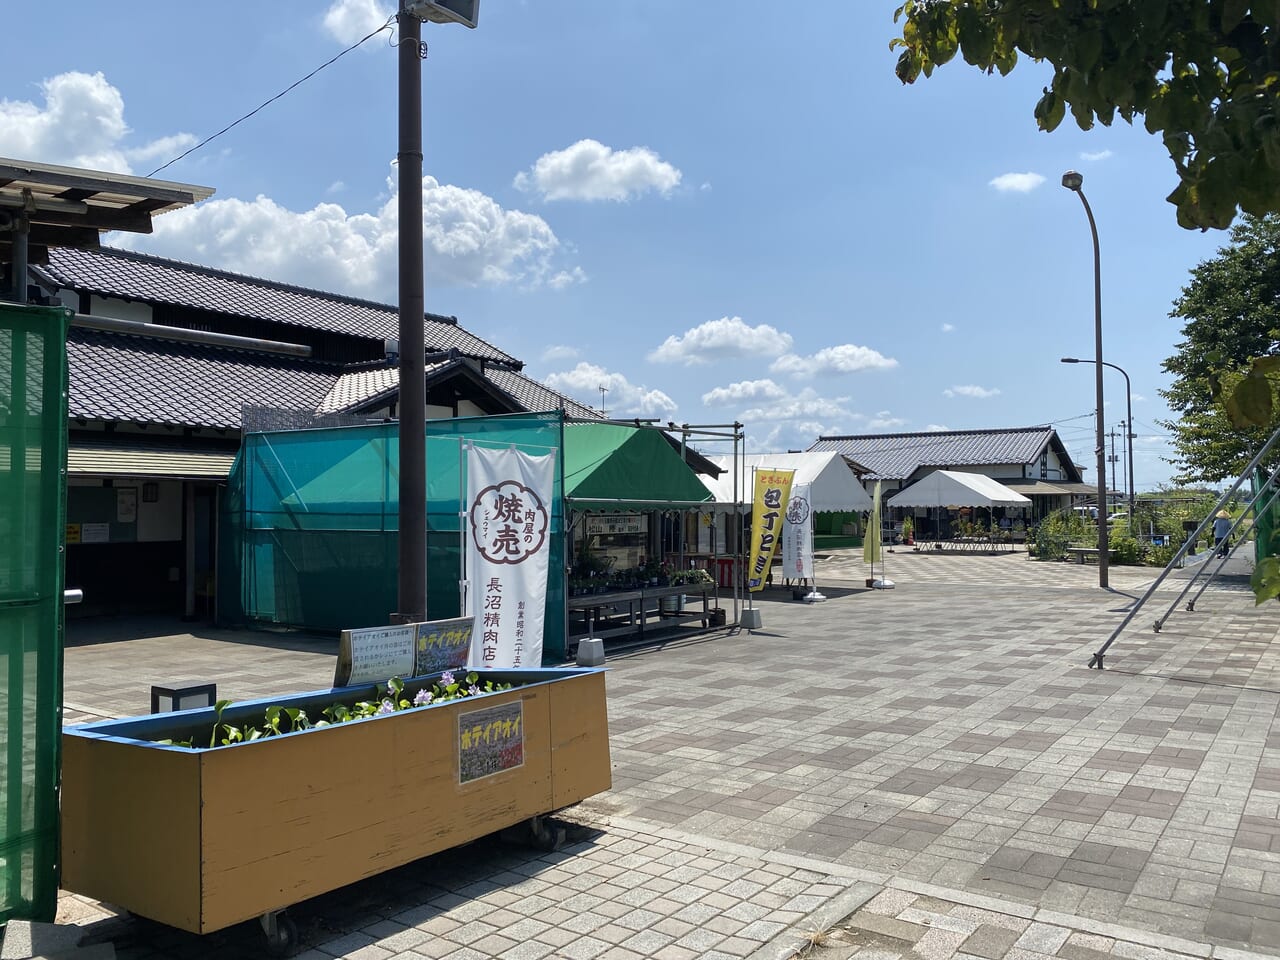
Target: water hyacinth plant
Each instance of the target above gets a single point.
(278, 720)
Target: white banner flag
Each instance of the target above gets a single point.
(508, 548)
(797, 536)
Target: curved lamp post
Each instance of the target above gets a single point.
(1074, 181)
(1129, 435)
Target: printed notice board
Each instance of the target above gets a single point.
(490, 741)
(374, 654)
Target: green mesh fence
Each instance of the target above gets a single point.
(310, 522)
(33, 455)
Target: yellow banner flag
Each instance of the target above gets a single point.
(772, 491)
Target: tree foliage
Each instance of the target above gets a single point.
(1203, 74)
(1231, 334)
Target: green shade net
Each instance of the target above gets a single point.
(310, 523)
(614, 467)
(33, 456)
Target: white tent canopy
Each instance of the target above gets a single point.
(950, 488)
(833, 485)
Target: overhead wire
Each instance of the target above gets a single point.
(266, 103)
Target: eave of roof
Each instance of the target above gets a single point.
(157, 280)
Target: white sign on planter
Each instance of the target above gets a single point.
(508, 549)
(797, 535)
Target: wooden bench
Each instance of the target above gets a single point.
(1083, 554)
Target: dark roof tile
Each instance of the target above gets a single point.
(144, 380)
(140, 277)
(896, 456)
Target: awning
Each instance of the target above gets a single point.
(614, 467)
(953, 488)
(96, 460)
(833, 486)
(1036, 488)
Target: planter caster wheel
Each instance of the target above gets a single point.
(537, 832)
(282, 933)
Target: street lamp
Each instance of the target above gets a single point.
(1074, 182)
(1130, 436)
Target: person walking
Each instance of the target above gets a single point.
(1221, 530)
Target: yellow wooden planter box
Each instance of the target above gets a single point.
(206, 838)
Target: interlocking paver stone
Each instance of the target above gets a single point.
(943, 733)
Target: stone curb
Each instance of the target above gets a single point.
(791, 942)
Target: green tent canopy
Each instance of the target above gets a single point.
(610, 466)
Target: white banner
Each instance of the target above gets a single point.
(797, 536)
(508, 548)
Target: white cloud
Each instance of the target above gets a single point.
(721, 339)
(845, 358)
(1138, 398)
(743, 391)
(947, 327)
(807, 404)
(470, 241)
(336, 187)
(349, 20)
(971, 390)
(567, 278)
(937, 428)
(589, 170)
(1017, 182)
(81, 124)
(885, 421)
(622, 398)
(1094, 157)
(560, 352)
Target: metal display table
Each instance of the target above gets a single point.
(599, 614)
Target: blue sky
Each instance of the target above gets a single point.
(716, 211)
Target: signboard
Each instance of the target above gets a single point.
(375, 654)
(72, 533)
(508, 554)
(442, 645)
(126, 504)
(797, 536)
(95, 533)
(490, 741)
(605, 524)
(772, 493)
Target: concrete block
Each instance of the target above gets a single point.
(591, 652)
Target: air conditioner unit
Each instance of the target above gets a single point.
(465, 12)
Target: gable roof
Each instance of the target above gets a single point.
(897, 456)
(149, 279)
(137, 379)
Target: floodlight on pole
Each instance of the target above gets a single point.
(1074, 182)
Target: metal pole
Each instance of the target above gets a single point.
(1073, 182)
(412, 602)
(1096, 659)
(1104, 552)
(1112, 457)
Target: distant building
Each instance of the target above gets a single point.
(1031, 460)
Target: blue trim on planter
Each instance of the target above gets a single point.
(144, 730)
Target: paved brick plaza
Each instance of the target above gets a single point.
(892, 765)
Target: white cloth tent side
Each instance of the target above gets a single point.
(951, 488)
(832, 485)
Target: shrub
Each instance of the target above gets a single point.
(1159, 556)
(1125, 550)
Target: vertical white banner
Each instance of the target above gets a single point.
(797, 535)
(508, 549)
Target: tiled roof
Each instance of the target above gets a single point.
(533, 395)
(144, 380)
(135, 276)
(896, 456)
(356, 387)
